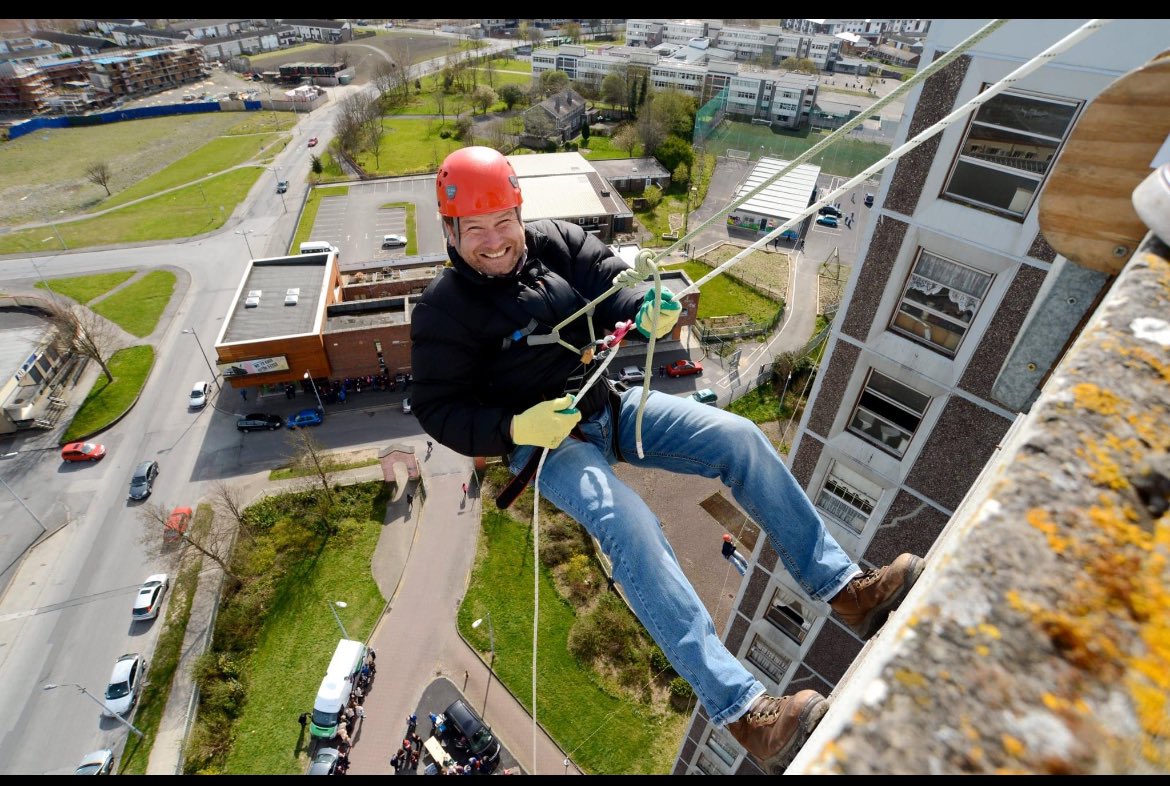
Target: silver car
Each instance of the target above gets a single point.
(125, 684)
(325, 762)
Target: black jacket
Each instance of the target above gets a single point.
(471, 370)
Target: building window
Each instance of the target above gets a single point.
(888, 413)
(721, 745)
(847, 497)
(939, 302)
(987, 174)
(788, 614)
(708, 767)
(767, 659)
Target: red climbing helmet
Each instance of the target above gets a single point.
(727, 538)
(476, 180)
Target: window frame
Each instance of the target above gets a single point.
(830, 476)
(879, 419)
(961, 159)
(794, 615)
(758, 643)
(930, 311)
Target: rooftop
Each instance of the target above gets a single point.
(559, 196)
(270, 317)
(784, 198)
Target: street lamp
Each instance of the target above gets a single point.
(214, 376)
(315, 393)
(97, 701)
(244, 233)
(492, 661)
(340, 604)
(57, 232)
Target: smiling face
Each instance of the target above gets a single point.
(491, 243)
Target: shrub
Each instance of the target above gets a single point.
(463, 128)
(653, 196)
(444, 134)
(658, 661)
(581, 578)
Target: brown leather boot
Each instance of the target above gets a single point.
(867, 600)
(774, 729)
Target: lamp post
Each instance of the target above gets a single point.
(57, 232)
(95, 700)
(214, 376)
(244, 233)
(492, 660)
(340, 604)
(320, 406)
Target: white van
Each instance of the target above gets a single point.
(318, 247)
(335, 689)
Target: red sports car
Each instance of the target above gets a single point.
(82, 451)
(312, 141)
(684, 368)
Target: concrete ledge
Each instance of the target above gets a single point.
(1038, 640)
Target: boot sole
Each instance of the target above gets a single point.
(810, 716)
(880, 613)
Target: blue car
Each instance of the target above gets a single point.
(306, 417)
(827, 221)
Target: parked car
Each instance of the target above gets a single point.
(258, 421)
(706, 396)
(830, 210)
(406, 408)
(281, 186)
(83, 451)
(150, 596)
(142, 481)
(96, 763)
(869, 200)
(393, 241)
(312, 141)
(125, 684)
(464, 724)
(632, 375)
(684, 368)
(177, 523)
(325, 762)
(199, 393)
(306, 417)
(827, 221)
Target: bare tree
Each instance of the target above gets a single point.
(340, 55)
(358, 123)
(215, 544)
(626, 139)
(227, 500)
(401, 51)
(99, 174)
(309, 454)
(652, 131)
(496, 134)
(573, 31)
(382, 76)
(83, 332)
(489, 71)
(441, 100)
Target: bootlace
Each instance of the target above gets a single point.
(865, 579)
(766, 716)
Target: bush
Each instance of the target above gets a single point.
(681, 688)
(463, 128)
(570, 146)
(653, 196)
(444, 134)
(609, 632)
(581, 578)
(658, 661)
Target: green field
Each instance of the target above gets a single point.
(137, 307)
(108, 400)
(85, 288)
(846, 157)
(410, 147)
(724, 296)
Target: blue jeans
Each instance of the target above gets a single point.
(682, 435)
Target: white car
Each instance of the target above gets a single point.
(150, 597)
(632, 375)
(393, 241)
(199, 393)
(96, 763)
(125, 684)
(406, 408)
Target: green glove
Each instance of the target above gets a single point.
(546, 424)
(667, 317)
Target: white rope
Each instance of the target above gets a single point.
(1084, 31)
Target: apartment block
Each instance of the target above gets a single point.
(921, 379)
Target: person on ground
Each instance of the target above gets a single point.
(732, 555)
(484, 387)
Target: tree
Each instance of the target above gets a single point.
(315, 164)
(645, 89)
(553, 82)
(81, 331)
(99, 174)
(676, 111)
(538, 122)
(652, 131)
(401, 52)
(613, 89)
(585, 133)
(653, 195)
(799, 64)
(215, 544)
(463, 128)
(626, 139)
(681, 173)
(483, 97)
(441, 101)
(339, 54)
(573, 31)
(496, 135)
(309, 454)
(382, 76)
(511, 94)
(674, 152)
(228, 502)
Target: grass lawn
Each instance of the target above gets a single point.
(108, 400)
(309, 214)
(138, 306)
(216, 156)
(167, 651)
(299, 635)
(506, 64)
(283, 473)
(264, 122)
(723, 296)
(759, 406)
(85, 288)
(189, 211)
(845, 157)
(410, 147)
(411, 232)
(602, 147)
(44, 172)
(603, 733)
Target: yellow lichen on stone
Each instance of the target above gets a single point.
(1012, 746)
(989, 630)
(1041, 520)
(1104, 469)
(982, 650)
(1091, 397)
(911, 679)
(1150, 359)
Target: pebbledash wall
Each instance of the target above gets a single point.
(901, 420)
